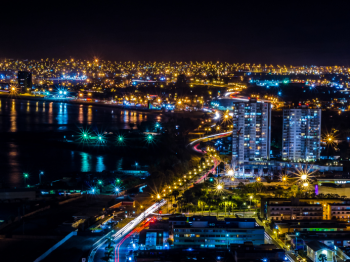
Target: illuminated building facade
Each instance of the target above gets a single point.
(208, 232)
(251, 137)
(301, 134)
(24, 81)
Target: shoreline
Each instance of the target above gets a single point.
(98, 104)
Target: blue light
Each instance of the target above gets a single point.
(279, 93)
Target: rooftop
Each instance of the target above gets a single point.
(316, 245)
(346, 250)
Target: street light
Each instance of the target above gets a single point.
(296, 241)
(40, 174)
(251, 200)
(25, 175)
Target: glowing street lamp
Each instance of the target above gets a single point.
(40, 174)
(120, 139)
(25, 175)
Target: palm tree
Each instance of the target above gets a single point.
(203, 200)
(322, 257)
(320, 195)
(217, 203)
(176, 193)
(210, 202)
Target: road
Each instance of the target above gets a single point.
(123, 247)
(99, 246)
(210, 137)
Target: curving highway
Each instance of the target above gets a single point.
(214, 136)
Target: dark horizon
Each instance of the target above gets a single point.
(284, 34)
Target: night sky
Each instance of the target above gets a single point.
(277, 32)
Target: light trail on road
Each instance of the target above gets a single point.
(210, 171)
(135, 230)
(127, 228)
(138, 219)
(211, 136)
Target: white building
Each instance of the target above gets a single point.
(301, 134)
(251, 136)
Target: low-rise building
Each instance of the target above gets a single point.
(294, 211)
(339, 211)
(200, 232)
(248, 251)
(316, 250)
(155, 236)
(290, 226)
(343, 252)
(267, 204)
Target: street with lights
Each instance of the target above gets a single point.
(100, 245)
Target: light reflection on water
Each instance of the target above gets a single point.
(99, 165)
(45, 116)
(85, 164)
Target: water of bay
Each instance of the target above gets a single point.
(23, 117)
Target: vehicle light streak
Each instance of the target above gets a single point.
(210, 136)
(127, 228)
(216, 163)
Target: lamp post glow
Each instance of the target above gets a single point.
(120, 139)
(40, 174)
(25, 175)
(100, 184)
